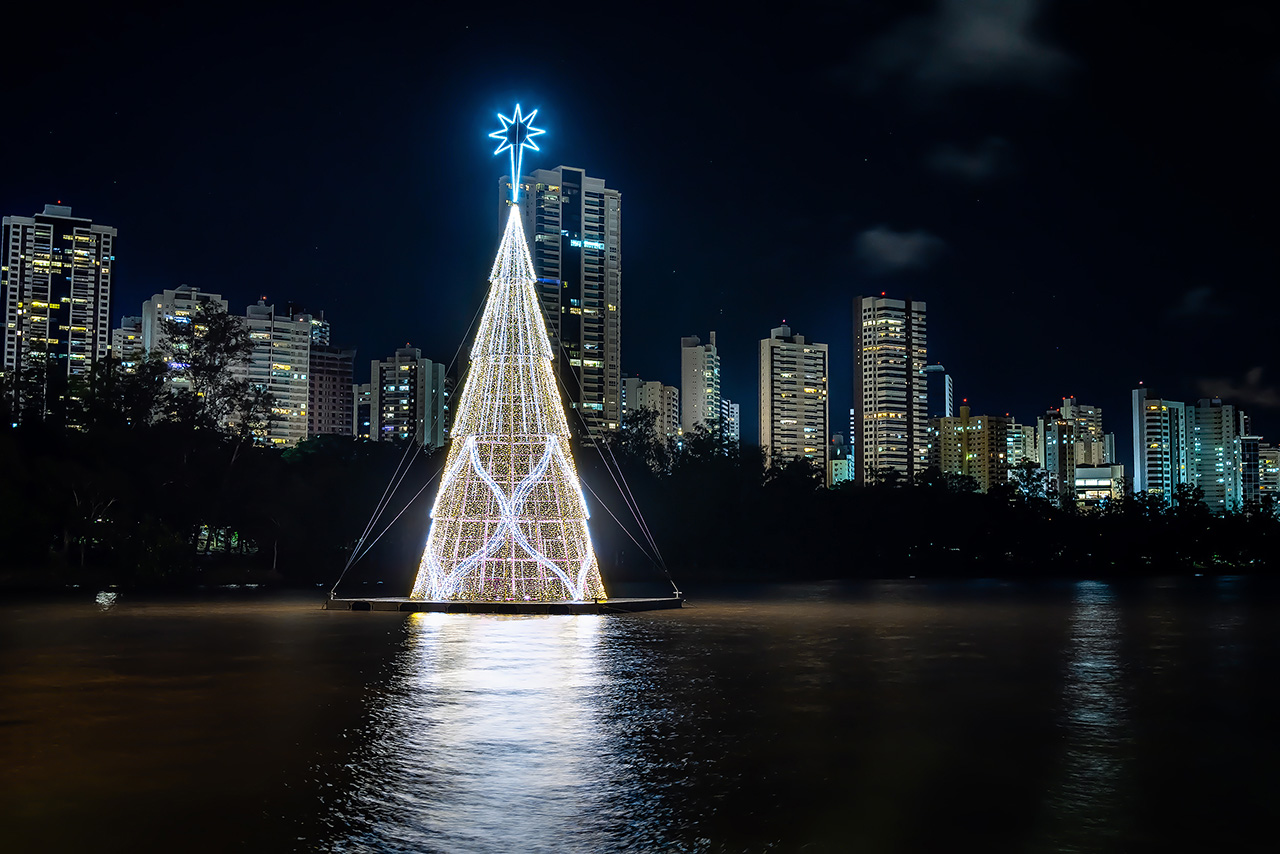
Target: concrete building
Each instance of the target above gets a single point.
(55, 287)
(699, 383)
(1023, 443)
(1216, 454)
(730, 420)
(940, 394)
(793, 398)
(573, 223)
(280, 364)
(1268, 472)
(362, 415)
(1161, 456)
(172, 304)
(973, 445)
(839, 463)
(1056, 438)
(889, 387)
(1090, 446)
(126, 343)
(409, 399)
(330, 390)
(662, 400)
(1096, 484)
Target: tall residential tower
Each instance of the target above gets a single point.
(889, 388)
(573, 224)
(699, 383)
(793, 398)
(55, 286)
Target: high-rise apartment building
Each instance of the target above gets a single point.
(940, 396)
(662, 400)
(1216, 454)
(730, 420)
(1268, 471)
(1091, 446)
(793, 398)
(126, 343)
(1161, 456)
(973, 445)
(55, 286)
(839, 463)
(409, 399)
(1056, 438)
(890, 393)
(280, 364)
(573, 224)
(362, 416)
(699, 383)
(176, 304)
(330, 396)
(1023, 444)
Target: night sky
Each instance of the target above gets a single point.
(1084, 192)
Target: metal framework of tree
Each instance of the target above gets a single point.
(510, 520)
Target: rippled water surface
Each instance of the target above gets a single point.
(898, 716)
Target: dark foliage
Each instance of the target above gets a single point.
(142, 491)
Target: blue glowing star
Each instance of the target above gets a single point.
(517, 134)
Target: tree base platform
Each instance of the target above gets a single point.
(601, 606)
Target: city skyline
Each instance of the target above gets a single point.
(1067, 191)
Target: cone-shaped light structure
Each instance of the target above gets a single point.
(510, 522)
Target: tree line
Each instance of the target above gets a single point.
(157, 475)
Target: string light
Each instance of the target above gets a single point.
(510, 521)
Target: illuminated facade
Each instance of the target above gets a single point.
(510, 520)
(973, 445)
(1161, 457)
(55, 287)
(176, 304)
(1098, 484)
(793, 398)
(362, 410)
(699, 383)
(664, 400)
(126, 343)
(1216, 454)
(409, 399)
(280, 363)
(890, 394)
(839, 464)
(574, 223)
(1268, 471)
(730, 420)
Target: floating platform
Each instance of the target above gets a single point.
(601, 606)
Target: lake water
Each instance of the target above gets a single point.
(896, 716)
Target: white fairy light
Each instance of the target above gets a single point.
(510, 521)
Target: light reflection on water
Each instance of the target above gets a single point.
(495, 735)
(882, 717)
(1087, 795)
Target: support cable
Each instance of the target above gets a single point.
(390, 491)
(623, 492)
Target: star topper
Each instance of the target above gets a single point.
(517, 134)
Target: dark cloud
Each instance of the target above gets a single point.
(967, 43)
(884, 250)
(1247, 392)
(991, 157)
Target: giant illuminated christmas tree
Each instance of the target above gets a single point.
(510, 521)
